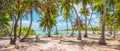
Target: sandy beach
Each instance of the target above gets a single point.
(68, 43)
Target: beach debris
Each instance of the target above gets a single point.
(37, 38)
(90, 42)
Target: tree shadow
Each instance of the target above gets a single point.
(93, 38)
(32, 41)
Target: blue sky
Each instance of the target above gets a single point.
(61, 24)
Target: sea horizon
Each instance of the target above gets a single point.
(40, 32)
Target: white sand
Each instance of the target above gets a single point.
(69, 44)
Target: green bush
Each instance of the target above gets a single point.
(24, 31)
(3, 33)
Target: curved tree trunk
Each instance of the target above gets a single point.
(67, 26)
(78, 19)
(20, 27)
(102, 37)
(113, 36)
(110, 29)
(85, 35)
(72, 27)
(89, 23)
(92, 28)
(13, 41)
(24, 38)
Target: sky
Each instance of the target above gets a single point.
(61, 24)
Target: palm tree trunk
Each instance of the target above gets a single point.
(20, 27)
(72, 27)
(91, 17)
(13, 41)
(102, 37)
(24, 38)
(49, 29)
(49, 33)
(72, 31)
(110, 29)
(56, 30)
(113, 36)
(67, 26)
(92, 28)
(78, 19)
(85, 35)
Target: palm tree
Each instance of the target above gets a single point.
(102, 37)
(78, 21)
(85, 12)
(112, 4)
(109, 19)
(48, 21)
(24, 38)
(4, 22)
(66, 7)
(46, 25)
(84, 4)
(89, 22)
(30, 5)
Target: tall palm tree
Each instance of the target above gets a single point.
(78, 21)
(102, 37)
(46, 25)
(109, 19)
(112, 4)
(30, 9)
(84, 4)
(48, 21)
(89, 22)
(66, 7)
(85, 12)
(24, 38)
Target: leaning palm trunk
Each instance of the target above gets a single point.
(13, 41)
(92, 28)
(102, 37)
(78, 21)
(11, 30)
(72, 27)
(113, 36)
(67, 26)
(85, 35)
(90, 19)
(20, 27)
(72, 31)
(24, 38)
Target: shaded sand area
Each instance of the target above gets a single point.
(67, 44)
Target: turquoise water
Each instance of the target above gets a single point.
(63, 32)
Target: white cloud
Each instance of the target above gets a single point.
(62, 25)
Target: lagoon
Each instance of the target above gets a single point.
(62, 32)
(39, 32)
